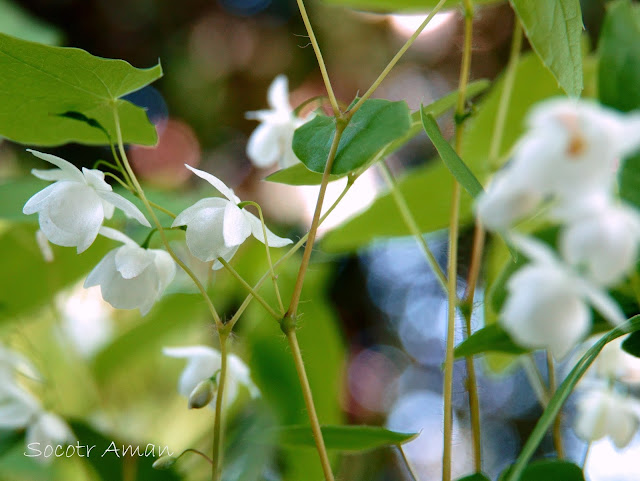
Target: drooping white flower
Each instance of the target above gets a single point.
(507, 200)
(547, 303)
(86, 319)
(204, 363)
(603, 412)
(216, 227)
(131, 277)
(271, 141)
(72, 209)
(48, 429)
(604, 244)
(613, 363)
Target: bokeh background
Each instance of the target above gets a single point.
(374, 317)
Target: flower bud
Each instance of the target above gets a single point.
(164, 462)
(202, 394)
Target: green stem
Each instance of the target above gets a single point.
(411, 224)
(452, 265)
(288, 255)
(557, 423)
(138, 188)
(216, 457)
(535, 379)
(321, 64)
(274, 278)
(407, 463)
(248, 287)
(505, 95)
(297, 290)
(395, 59)
(308, 400)
(195, 451)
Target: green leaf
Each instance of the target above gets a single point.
(372, 128)
(561, 395)
(619, 49)
(632, 344)
(454, 163)
(14, 194)
(401, 5)
(550, 470)
(554, 29)
(68, 80)
(475, 477)
(491, 338)
(343, 438)
(300, 175)
(427, 189)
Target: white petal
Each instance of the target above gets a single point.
(227, 253)
(235, 226)
(95, 178)
(70, 170)
(600, 300)
(104, 271)
(52, 174)
(131, 261)
(116, 235)
(17, 407)
(278, 94)
(256, 230)
(49, 430)
(263, 148)
(240, 372)
(202, 364)
(217, 183)
(129, 209)
(39, 199)
(204, 221)
(165, 267)
(44, 246)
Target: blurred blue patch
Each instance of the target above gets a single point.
(244, 7)
(152, 101)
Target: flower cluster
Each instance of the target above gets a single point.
(199, 378)
(19, 409)
(271, 142)
(604, 410)
(565, 166)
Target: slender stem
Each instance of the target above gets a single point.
(288, 254)
(411, 224)
(216, 457)
(586, 455)
(308, 400)
(119, 162)
(162, 209)
(557, 423)
(274, 278)
(505, 96)
(195, 451)
(452, 264)
(535, 379)
(396, 58)
(407, 463)
(248, 287)
(165, 241)
(297, 290)
(321, 64)
(118, 180)
(105, 163)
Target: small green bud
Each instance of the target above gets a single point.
(164, 462)
(202, 394)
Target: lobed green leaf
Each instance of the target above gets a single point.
(68, 80)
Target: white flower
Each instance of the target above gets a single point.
(72, 209)
(603, 412)
(204, 363)
(614, 363)
(131, 277)
(48, 429)
(507, 200)
(272, 140)
(12, 363)
(18, 408)
(216, 227)
(547, 303)
(604, 244)
(86, 319)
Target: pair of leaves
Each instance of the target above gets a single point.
(41, 83)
